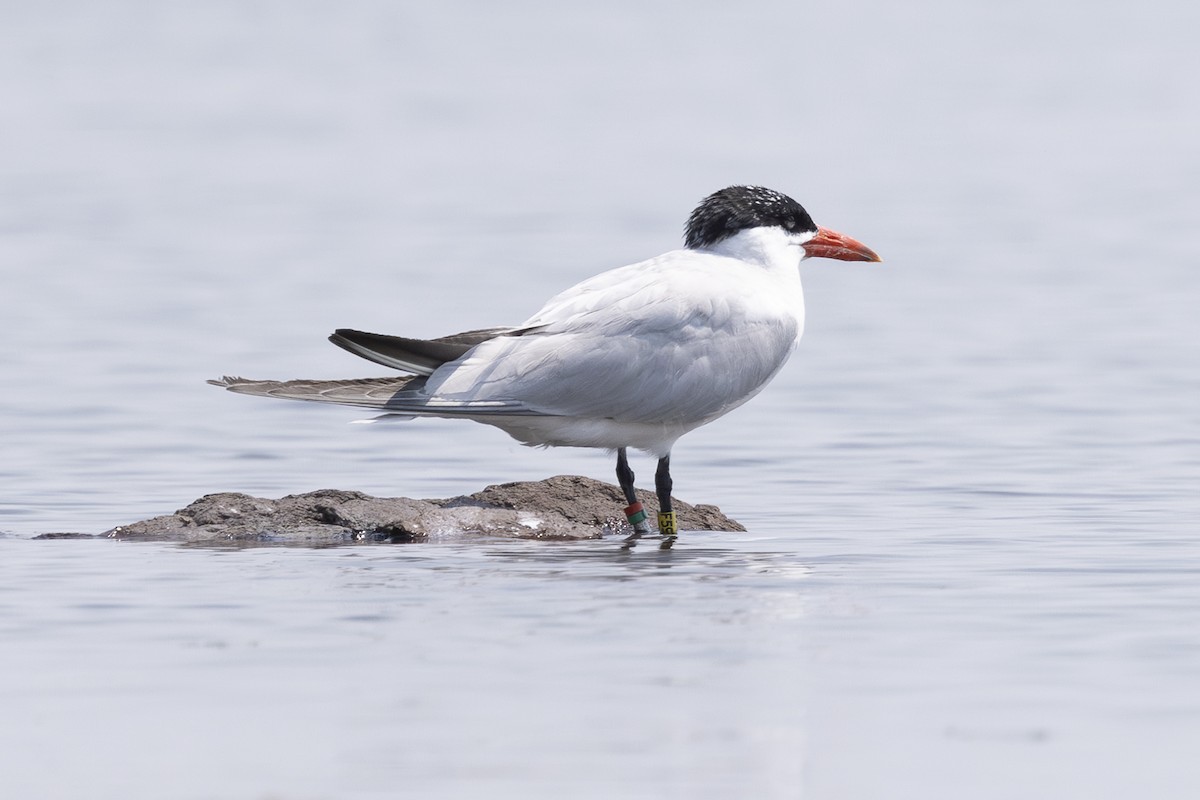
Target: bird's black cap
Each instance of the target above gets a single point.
(724, 213)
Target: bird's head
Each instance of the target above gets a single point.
(742, 218)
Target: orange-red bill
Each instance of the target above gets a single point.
(831, 244)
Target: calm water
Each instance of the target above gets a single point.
(972, 567)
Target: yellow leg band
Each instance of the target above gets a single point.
(667, 524)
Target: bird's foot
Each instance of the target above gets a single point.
(636, 515)
(633, 539)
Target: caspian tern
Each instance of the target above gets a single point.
(634, 357)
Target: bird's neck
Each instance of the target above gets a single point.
(770, 248)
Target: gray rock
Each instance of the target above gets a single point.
(563, 507)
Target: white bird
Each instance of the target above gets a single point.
(633, 357)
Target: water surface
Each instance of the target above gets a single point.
(971, 497)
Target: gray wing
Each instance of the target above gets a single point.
(418, 356)
(682, 338)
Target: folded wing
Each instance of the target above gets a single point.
(418, 356)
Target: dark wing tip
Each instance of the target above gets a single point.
(347, 333)
(345, 338)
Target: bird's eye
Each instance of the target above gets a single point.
(790, 223)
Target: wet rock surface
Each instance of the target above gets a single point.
(563, 507)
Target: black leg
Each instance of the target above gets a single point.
(625, 476)
(662, 487)
(634, 513)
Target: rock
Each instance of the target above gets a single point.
(563, 507)
(595, 504)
